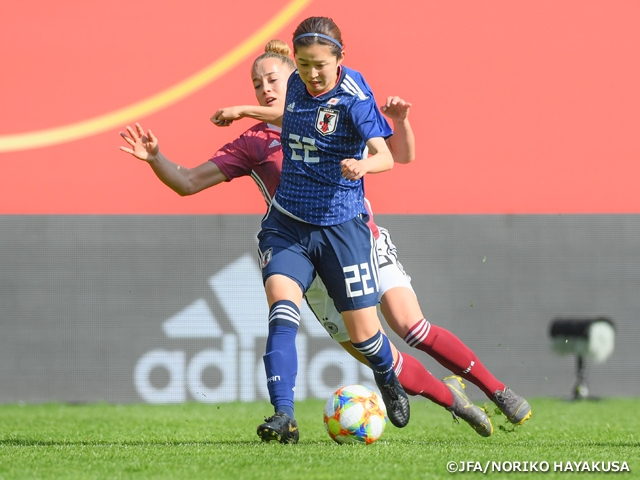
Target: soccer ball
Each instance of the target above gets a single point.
(355, 414)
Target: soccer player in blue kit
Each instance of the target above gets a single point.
(317, 220)
(398, 302)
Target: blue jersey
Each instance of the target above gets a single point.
(317, 134)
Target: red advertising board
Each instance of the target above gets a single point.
(518, 107)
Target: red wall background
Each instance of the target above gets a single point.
(519, 107)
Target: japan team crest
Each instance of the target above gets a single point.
(265, 257)
(327, 120)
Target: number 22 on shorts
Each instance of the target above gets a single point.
(358, 275)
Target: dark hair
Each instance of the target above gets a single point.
(279, 50)
(323, 26)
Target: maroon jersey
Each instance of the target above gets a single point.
(258, 153)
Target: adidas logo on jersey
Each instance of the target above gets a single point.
(291, 106)
(274, 143)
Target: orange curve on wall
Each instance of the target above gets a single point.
(102, 123)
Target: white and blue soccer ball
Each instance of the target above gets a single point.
(355, 414)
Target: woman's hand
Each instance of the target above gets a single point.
(353, 169)
(225, 116)
(143, 146)
(396, 108)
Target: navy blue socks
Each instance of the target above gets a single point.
(281, 359)
(379, 355)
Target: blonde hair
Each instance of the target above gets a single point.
(279, 50)
(277, 46)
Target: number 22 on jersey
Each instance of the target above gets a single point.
(303, 149)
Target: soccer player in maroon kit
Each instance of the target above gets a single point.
(257, 152)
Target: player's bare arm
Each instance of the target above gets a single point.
(402, 143)
(380, 160)
(225, 116)
(182, 180)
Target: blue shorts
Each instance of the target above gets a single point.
(344, 257)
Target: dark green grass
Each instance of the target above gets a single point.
(219, 442)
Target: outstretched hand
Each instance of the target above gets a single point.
(143, 146)
(396, 108)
